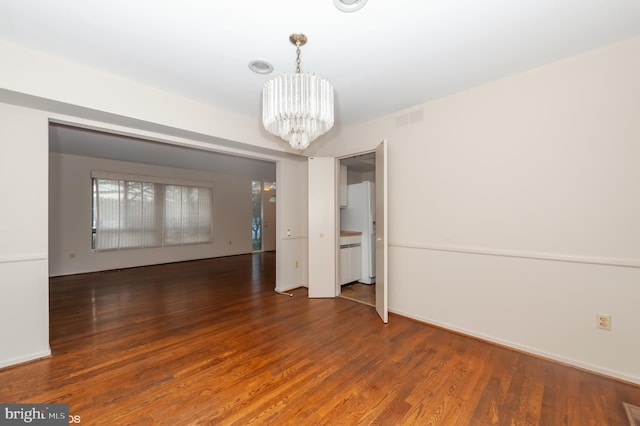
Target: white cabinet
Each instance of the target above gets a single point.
(344, 265)
(355, 263)
(350, 259)
(350, 264)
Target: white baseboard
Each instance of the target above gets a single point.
(25, 358)
(283, 289)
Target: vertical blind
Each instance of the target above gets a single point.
(132, 214)
(187, 213)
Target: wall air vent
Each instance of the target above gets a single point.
(411, 117)
(415, 116)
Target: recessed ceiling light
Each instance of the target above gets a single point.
(349, 5)
(260, 67)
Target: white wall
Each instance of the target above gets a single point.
(24, 296)
(513, 209)
(70, 216)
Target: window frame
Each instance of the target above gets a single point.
(204, 213)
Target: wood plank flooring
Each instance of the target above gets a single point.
(210, 342)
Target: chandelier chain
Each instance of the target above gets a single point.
(298, 58)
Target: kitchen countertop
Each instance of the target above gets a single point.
(349, 233)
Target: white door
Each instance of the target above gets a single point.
(322, 227)
(382, 248)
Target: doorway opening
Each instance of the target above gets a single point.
(81, 151)
(76, 151)
(357, 266)
(263, 202)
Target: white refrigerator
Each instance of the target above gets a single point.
(360, 215)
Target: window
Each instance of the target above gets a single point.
(261, 192)
(187, 215)
(139, 214)
(256, 217)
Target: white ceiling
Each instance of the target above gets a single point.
(390, 55)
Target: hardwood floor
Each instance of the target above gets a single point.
(210, 342)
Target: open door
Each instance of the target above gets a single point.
(381, 228)
(322, 227)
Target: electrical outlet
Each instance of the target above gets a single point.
(603, 321)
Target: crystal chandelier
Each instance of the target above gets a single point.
(297, 107)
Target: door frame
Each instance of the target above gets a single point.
(337, 189)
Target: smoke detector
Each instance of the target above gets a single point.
(349, 5)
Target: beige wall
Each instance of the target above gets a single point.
(513, 209)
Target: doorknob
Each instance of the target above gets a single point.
(379, 240)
